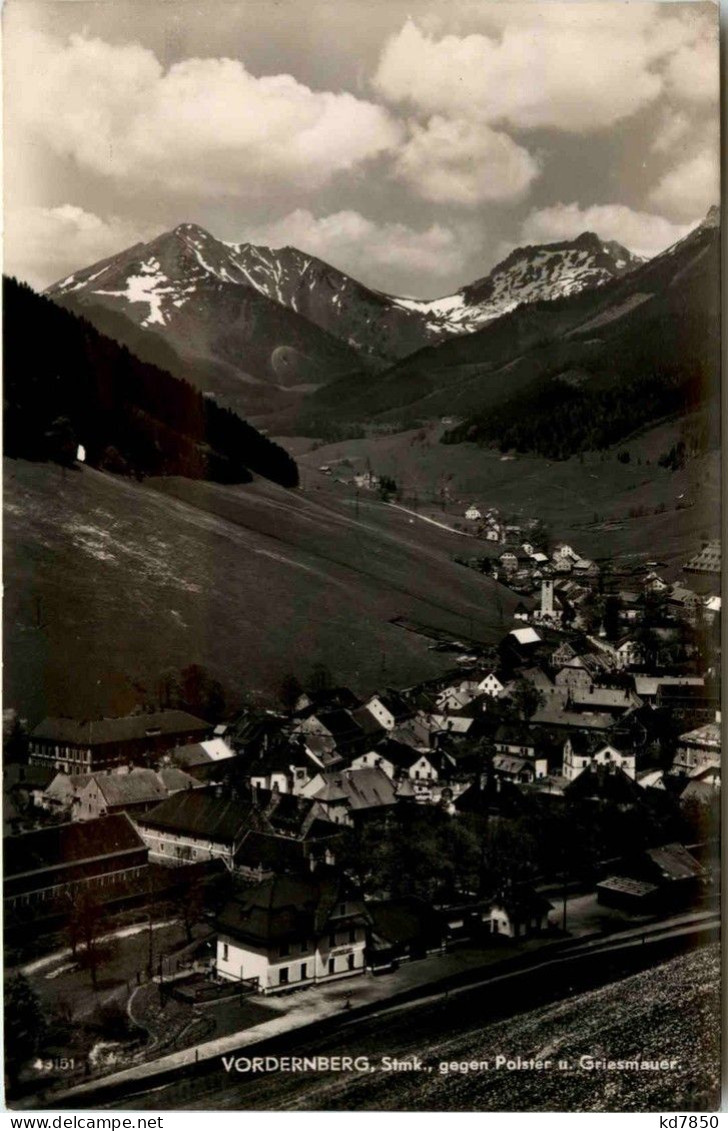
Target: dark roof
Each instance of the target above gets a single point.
(288, 813)
(175, 779)
(514, 736)
(368, 788)
(365, 719)
(98, 732)
(137, 787)
(331, 697)
(70, 843)
(278, 854)
(395, 703)
(627, 885)
(606, 783)
(399, 754)
(341, 724)
(281, 908)
(674, 862)
(668, 691)
(401, 921)
(19, 775)
(582, 743)
(202, 813)
(522, 902)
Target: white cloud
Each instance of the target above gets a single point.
(459, 162)
(205, 126)
(43, 245)
(691, 188)
(576, 67)
(674, 129)
(358, 245)
(692, 73)
(641, 232)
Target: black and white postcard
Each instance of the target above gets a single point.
(362, 559)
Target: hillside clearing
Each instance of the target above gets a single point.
(110, 582)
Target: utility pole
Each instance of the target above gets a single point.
(564, 873)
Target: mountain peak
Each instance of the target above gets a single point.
(712, 218)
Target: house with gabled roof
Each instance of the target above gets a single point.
(206, 761)
(195, 825)
(389, 709)
(521, 769)
(493, 683)
(133, 792)
(582, 751)
(285, 767)
(350, 795)
(698, 749)
(519, 912)
(292, 931)
(707, 560)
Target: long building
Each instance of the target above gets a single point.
(48, 864)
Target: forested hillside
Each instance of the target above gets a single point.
(68, 385)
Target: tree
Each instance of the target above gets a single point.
(289, 691)
(189, 902)
(526, 699)
(24, 1025)
(611, 617)
(15, 741)
(320, 678)
(509, 852)
(540, 536)
(87, 919)
(193, 689)
(387, 487)
(201, 692)
(61, 441)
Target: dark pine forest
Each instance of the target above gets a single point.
(66, 384)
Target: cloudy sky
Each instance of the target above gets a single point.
(411, 143)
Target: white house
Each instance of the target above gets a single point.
(518, 915)
(388, 709)
(629, 652)
(522, 769)
(578, 757)
(423, 769)
(492, 684)
(473, 514)
(291, 931)
(454, 700)
(698, 749)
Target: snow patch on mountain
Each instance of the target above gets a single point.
(150, 286)
(189, 266)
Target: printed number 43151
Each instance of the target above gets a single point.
(54, 1064)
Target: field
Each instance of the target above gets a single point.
(110, 582)
(604, 507)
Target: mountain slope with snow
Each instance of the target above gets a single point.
(660, 316)
(528, 274)
(185, 294)
(180, 277)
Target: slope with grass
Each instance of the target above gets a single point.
(110, 582)
(632, 511)
(650, 337)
